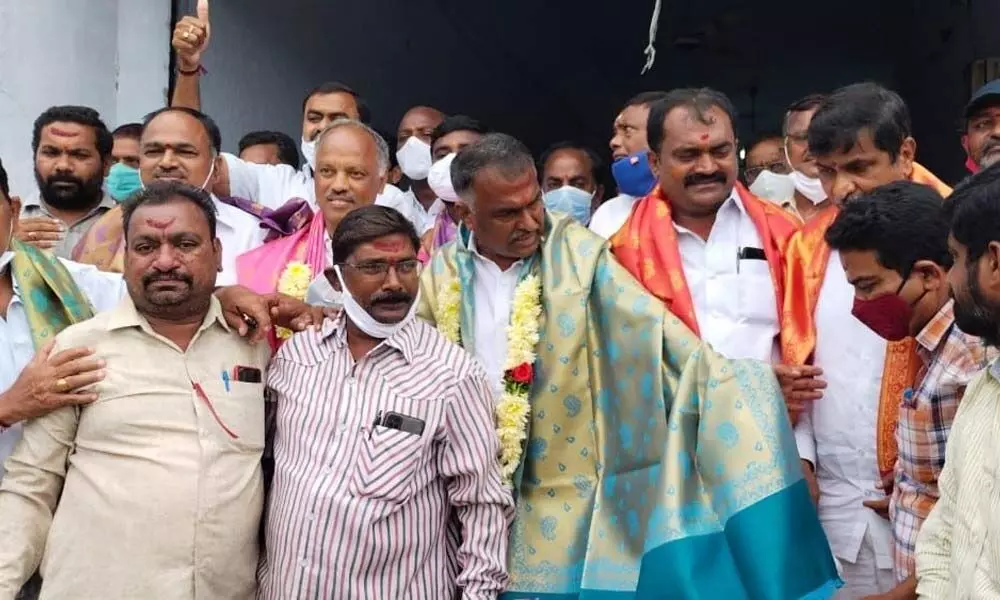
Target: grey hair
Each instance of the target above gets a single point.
(495, 150)
(381, 148)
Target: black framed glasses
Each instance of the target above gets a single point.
(406, 267)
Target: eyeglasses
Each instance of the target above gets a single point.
(380, 268)
(779, 167)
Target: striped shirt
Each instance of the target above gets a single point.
(362, 511)
(951, 359)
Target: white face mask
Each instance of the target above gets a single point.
(773, 186)
(309, 152)
(211, 172)
(439, 178)
(364, 321)
(415, 159)
(810, 187)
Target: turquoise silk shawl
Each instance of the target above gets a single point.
(654, 467)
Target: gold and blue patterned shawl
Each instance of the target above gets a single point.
(654, 468)
(52, 301)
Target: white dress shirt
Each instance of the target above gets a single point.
(838, 433)
(274, 185)
(611, 215)
(493, 296)
(239, 232)
(411, 208)
(105, 291)
(734, 299)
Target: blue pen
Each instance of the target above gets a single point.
(225, 380)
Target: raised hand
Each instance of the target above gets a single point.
(191, 35)
(40, 232)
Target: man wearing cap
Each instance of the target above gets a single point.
(981, 139)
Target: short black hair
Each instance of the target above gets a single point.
(699, 100)
(973, 209)
(162, 192)
(493, 150)
(646, 98)
(81, 115)
(810, 102)
(767, 136)
(367, 224)
(132, 131)
(596, 164)
(454, 123)
(390, 142)
(336, 87)
(214, 135)
(903, 222)
(4, 184)
(287, 152)
(856, 108)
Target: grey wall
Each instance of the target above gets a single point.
(107, 54)
(561, 68)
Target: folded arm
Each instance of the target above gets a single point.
(482, 503)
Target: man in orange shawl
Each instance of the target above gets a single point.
(860, 138)
(707, 247)
(352, 163)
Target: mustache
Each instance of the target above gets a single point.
(391, 297)
(699, 178)
(521, 236)
(342, 198)
(991, 144)
(154, 277)
(63, 178)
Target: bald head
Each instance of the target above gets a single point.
(419, 122)
(360, 138)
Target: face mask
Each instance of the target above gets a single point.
(633, 175)
(773, 186)
(570, 200)
(364, 321)
(439, 178)
(211, 171)
(810, 187)
(122, 181)
(888, 316)
(309, 152)
(415, 159)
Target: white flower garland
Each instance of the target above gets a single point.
(514, 408)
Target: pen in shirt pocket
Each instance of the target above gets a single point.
(225, 380)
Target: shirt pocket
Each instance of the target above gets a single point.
(755, 289)
(391, 462)
(236, 414)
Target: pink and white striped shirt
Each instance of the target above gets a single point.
(362, 511)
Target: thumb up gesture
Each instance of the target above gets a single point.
(191, 37)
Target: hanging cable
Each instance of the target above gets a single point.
(650, 50)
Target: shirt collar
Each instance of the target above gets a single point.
(733, 200)
(405, 341)
(35, 202)
(936, 330)
(125, 316)
(476, 255)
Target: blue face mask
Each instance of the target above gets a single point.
(570, 200)
(633, 175)
(122, 181)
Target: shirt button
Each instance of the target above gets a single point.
(326, 470)
(343, 427)
(311, 517)
(303, 563)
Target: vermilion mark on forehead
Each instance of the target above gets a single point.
(388, 245)
(704, 137)
(62, 132)
(161, 223)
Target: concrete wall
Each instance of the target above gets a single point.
(111, 55)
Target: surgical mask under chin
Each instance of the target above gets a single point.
(415, 158)
(122, 181)
(633, 174)
(810, 187)
(773, 186)
(211, 171)
(570, 200)
(309, 152)
(364, 321)
(439, 178)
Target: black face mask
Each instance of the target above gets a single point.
(84, 194)
(974, 316)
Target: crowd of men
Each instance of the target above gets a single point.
(447, 368)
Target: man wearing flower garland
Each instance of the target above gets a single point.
(630, 445)
(383, 431)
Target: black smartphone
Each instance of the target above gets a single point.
(394, 420)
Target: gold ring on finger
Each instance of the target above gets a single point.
(61, 384)
(32, 234)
